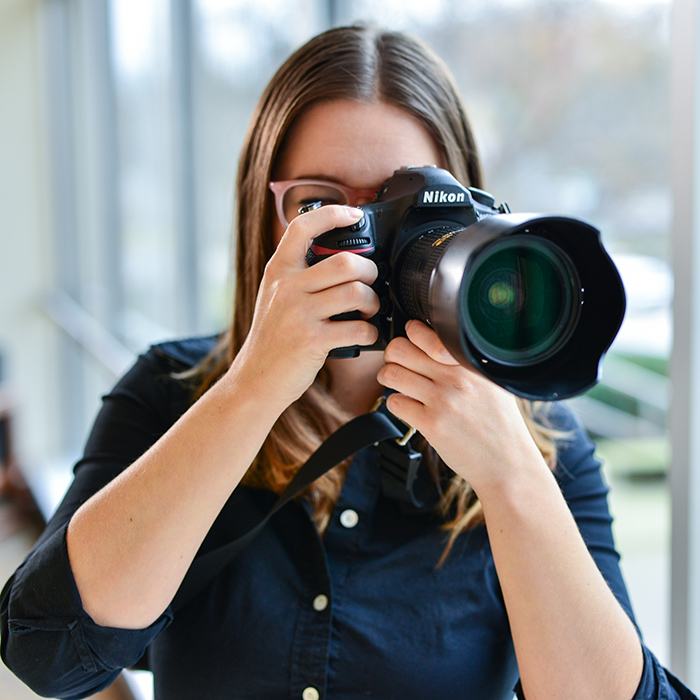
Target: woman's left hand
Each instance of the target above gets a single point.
(473, 424)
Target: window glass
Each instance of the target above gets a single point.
(239, 45)
(142, 72)
(232, 49)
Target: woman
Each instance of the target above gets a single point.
(345, 592)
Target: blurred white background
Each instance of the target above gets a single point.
(120, 123)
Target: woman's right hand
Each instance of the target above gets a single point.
(292, 332)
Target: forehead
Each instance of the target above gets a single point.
(357, 144)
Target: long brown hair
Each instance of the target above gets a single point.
(366, 65)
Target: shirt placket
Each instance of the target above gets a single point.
(310, 646)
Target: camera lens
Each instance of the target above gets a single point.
(418, 267)
(532, 301)
(519, 300)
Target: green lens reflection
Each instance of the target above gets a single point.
(520, 300)
(501, 294)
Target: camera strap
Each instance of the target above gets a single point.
(399, 468)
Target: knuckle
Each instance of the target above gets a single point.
(460, 385)
(345, 261)
(392, 372)
(356, 292)
(279, 287)
(270, 270)
(462, 380)
(397, 349)
(349, 293)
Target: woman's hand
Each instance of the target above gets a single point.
(292, 334)
(473, 424)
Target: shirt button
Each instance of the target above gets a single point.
(310, 693)
(349, 518)
(320, 602)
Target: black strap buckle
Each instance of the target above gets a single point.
(399, 464)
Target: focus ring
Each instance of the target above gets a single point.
(416, 268)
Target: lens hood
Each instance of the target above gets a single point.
(570, 363)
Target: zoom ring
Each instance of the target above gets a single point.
(415, 271)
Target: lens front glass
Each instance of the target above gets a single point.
(520, 299)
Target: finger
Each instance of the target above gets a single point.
(351, 296)
(407, 382)
(402, 351)
(428, 341)
(338, 269)
(406, 409)
(304, 228)
(341, 334)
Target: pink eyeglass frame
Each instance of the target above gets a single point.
(280, 187)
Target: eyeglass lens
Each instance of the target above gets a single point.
(299, 196)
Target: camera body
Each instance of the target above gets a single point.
(412, 203)
(533, 301)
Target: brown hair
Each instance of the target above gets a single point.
(366, 65)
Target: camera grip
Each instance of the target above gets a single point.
(358, 239)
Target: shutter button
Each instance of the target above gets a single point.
(310, 693)
(349, 518)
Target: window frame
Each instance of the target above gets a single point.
(685, 357)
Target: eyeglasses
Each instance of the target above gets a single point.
(292, 195)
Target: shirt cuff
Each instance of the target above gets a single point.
(48, 626)
(656, 683)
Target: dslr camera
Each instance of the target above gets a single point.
(532, 301)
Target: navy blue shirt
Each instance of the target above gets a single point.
(364, 611)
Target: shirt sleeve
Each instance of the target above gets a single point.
(48, 640)
(580, 478)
